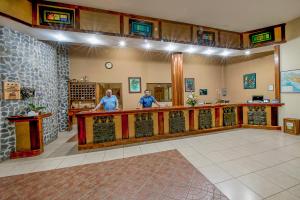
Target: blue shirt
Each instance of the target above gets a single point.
(147, 101)
(109, 103)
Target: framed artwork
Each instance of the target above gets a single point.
(206, 38)
(135, 84)
(290, 81)
(140, 28)
(264, 36)
(250, 81)
(203, 92)
(189, 84)
(51, 15)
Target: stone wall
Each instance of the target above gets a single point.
(39, 65)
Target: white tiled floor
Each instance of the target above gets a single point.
(244, 164)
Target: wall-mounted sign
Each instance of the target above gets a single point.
(50, 15)
(11, 90)
(262, 36)
(206, 38)
(140, 28)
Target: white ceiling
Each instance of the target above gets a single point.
(235, 15)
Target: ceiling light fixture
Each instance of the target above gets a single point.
(170, 47)
(93, 40)
(191, 50)
(60, 37)
(225, 53)
(122, 43)
(209, 51)
(147, 46)
(247, 53)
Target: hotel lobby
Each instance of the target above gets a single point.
(149, 100)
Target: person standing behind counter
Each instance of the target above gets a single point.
(109, 102)
(147, 100)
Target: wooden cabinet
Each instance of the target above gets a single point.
(292, 126)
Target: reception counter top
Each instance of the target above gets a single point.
(102, 128)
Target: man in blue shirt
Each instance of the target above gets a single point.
(147, 100)
(109, 102)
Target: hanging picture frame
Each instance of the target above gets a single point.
(134, 84)
(250, 81)
(189, 84)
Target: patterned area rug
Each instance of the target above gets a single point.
(158, 176)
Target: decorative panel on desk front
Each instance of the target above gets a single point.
(144, 125)
(205, 119)
(176, 122)
(229, 116)
(257, 115)
(104, 129)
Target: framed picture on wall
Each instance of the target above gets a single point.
(290, 81)
(203, 92)
(250, 81)
(189, 84)
(135, 84)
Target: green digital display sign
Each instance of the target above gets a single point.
(262, 36)
(140, 28)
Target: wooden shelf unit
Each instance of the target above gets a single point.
(85, 92)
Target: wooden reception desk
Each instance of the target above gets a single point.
(101, 129)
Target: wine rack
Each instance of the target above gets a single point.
(82, 92)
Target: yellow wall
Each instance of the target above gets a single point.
(152, 67)
(265, 75)
(289, 57)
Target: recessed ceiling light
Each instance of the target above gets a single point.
(248, 52)
(171, 47)
(147, 46)
(60, 37)
(191, 50)
(93, 40)
(122, 43)
(209, 51)
(225, 53)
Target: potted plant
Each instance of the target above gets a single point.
(34, 110)
(192, 100)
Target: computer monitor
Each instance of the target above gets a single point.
(258, 98)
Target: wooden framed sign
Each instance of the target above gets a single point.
(11, 90)
(52, 15)
(264, 36)
(140, 28)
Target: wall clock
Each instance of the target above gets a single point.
(108, 65)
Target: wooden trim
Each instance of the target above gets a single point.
(34, 13)
(191, 120)
(122, 24)
(125, 129)
(81, 130)
(277, 72)
(161, 123)
(217, 117)
(24, 154)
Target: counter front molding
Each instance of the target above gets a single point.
(101, 129)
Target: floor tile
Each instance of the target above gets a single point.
(260, 185)
(283, 196)
(278, 177)
(235, 190)
(214, 173)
